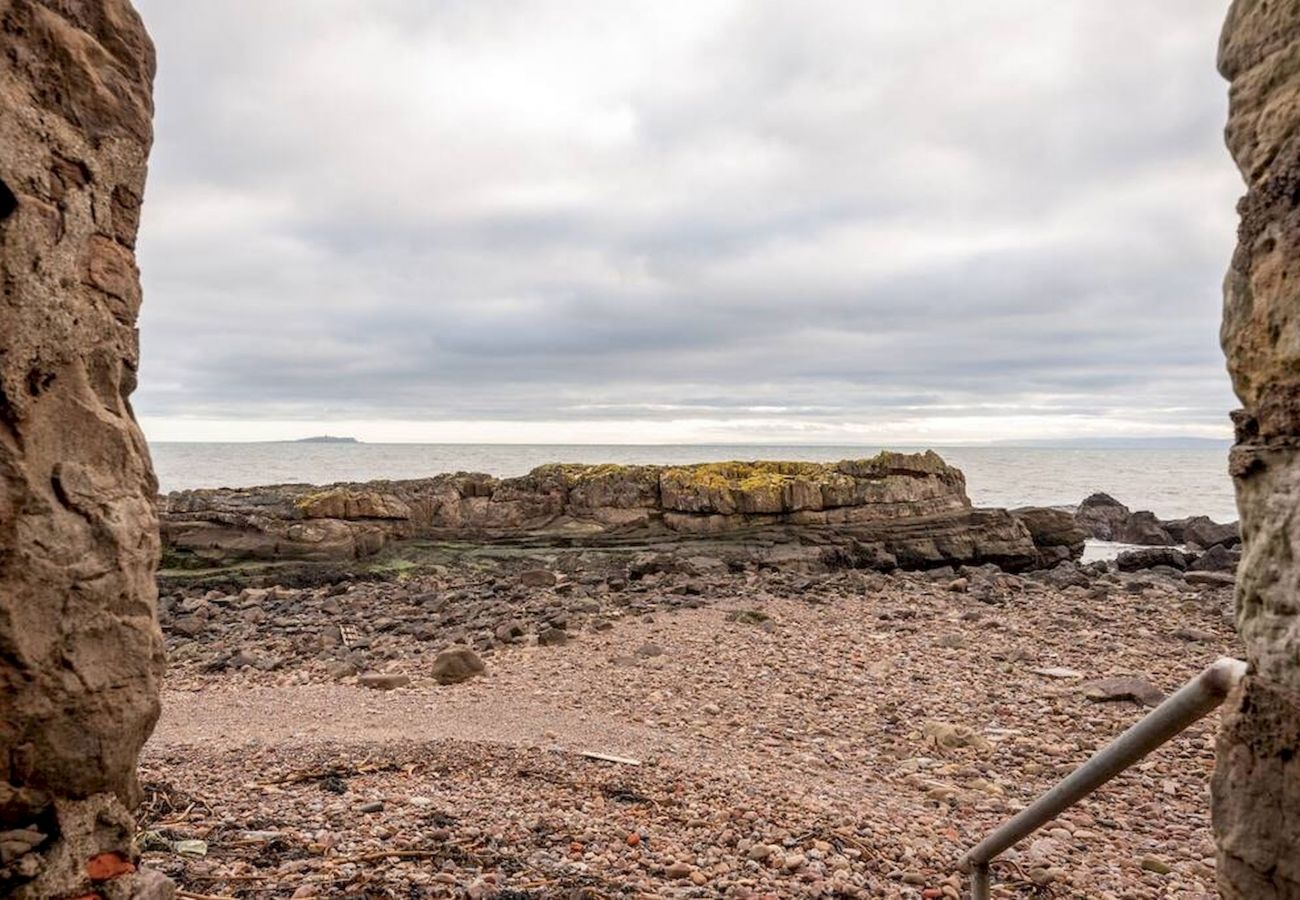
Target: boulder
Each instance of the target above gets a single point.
(1203, 533)
(1102, 516)
(1151, 557)
(1217, 559)
(1145, 529)
(457, 664)
(1056, 533)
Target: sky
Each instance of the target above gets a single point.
(837, 221)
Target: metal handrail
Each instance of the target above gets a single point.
(1188, 704)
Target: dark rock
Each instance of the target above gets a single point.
(1216, 559)
(1145, 529)
(1150, 557)
(552, 637)
(1102, 516)
(1055, 532)
(1204, 533)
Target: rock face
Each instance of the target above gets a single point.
(892, 510)
(1257, 779)
(80, 649)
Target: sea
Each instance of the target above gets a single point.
(1172, 483)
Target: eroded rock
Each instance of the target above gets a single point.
(82, 653)
(893, 510)
(1257, 779)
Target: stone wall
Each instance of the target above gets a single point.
(1257, 780)
(80, 650)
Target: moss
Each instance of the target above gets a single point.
(179, 560)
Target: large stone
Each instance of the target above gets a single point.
(1102, 516)
(1256, 785)
(80, 650)
(1145, 529)
(456, 664)
(1056, 533)
(1150, 557)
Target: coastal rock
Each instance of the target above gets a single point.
(1217, 559)
(1150, 557)
(1145, 529)
(893, 510)
(1202, 533)
(1056, 533)
(1102, 516)
(1255, 780)
(82, 652)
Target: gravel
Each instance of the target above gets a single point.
(798, 734)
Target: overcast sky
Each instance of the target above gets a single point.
(847, 221)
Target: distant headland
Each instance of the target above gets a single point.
(326, 439)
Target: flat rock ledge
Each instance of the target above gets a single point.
(891, 511)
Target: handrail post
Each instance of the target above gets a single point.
(979, 882)
(1188, 704)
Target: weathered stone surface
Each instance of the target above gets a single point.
(1102, 516)
(1257, 779)
(1055, 532)
(80, 649)
(457, 664)
(1150, 557)
(895, 509)
(1139, 690)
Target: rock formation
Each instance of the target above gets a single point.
(895, 509)
(1106, 519)
(80, 650)
(1257, 779)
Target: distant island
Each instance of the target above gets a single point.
(326, 439)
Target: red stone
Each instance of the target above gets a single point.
(107, 866)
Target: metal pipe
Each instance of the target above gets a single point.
(979, 882)
(1188, 704)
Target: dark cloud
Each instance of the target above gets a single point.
(761, 219)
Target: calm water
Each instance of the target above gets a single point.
(1172, 483)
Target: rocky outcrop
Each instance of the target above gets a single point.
(892, 510)
(80, 650)
(1106, 519)
(1257, 780)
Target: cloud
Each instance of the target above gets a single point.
(701, 217)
